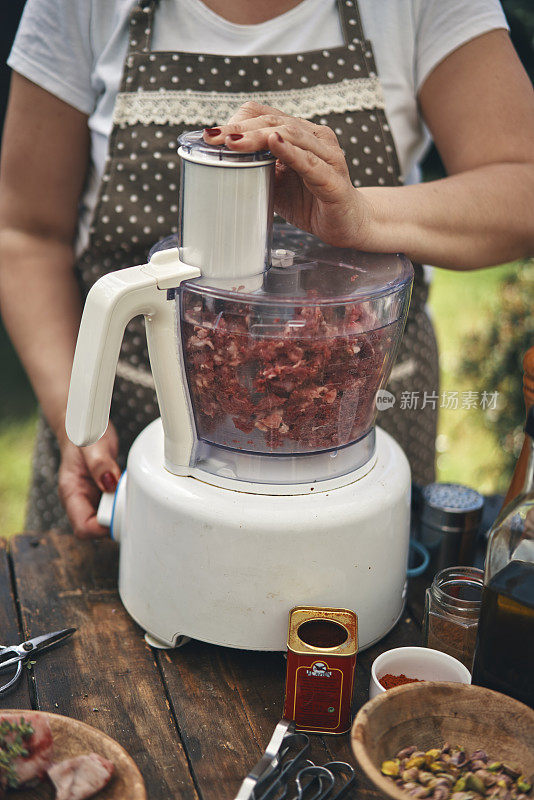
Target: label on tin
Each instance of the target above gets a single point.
(318, 691)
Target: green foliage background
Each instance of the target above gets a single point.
(495, 358)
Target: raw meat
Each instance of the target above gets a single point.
(17, 770)
(80, 777)
(304, 384)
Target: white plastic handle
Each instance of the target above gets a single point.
(112, 302)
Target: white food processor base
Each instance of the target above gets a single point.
(226, 567)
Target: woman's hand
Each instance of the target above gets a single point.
(85, 473)
(313, 189)
(479, 107)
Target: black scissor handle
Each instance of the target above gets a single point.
(291, 756)
(321, 776)
(341, 768)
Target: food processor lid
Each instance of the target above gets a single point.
(194, 148)
(306, 270)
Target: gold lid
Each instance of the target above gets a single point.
(339, 636)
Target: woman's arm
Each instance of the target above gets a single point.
(479, 106)
(42, 171)
(44, 154)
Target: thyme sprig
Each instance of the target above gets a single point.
(13, 736)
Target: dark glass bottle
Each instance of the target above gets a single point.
(504, 656)
(518, 478)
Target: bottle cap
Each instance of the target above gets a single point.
(451, 507)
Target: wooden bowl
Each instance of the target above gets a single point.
(429, 714)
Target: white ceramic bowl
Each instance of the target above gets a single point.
(416, 662)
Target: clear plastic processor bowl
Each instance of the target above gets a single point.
(290, 363)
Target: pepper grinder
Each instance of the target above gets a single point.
(450, 516)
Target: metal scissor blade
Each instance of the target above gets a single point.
(47, 640)
(12, 655)
(266, 761)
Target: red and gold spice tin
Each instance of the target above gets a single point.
(321, 656)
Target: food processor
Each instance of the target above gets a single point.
(265, 483)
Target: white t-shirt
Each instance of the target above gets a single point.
(75, 49)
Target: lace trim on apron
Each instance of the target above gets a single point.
(193, 108)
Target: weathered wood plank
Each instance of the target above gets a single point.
(10, 633)
(105, 675)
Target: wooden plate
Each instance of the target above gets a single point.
(74, 738)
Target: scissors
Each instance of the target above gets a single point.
(272, 784)
(321, 780)
(285, 763)
(15, 655)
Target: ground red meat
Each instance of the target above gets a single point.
(308, 384)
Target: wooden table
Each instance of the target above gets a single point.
(195, 719)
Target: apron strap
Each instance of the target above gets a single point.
(141, 26)
(351, 23)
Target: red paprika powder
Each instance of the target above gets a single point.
(389, 681)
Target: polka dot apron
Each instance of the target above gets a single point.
(163, 94)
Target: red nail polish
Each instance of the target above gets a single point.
(235, 136)
(212, 131)
(109, 481)
(279, 138)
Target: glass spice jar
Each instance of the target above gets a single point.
(452, 609)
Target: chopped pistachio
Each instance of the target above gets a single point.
(421, 791)
(447, 777)
(406, 752)
(425, 777)
(438, 766)
(416, 761)
(391, 768)
(475, 783)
